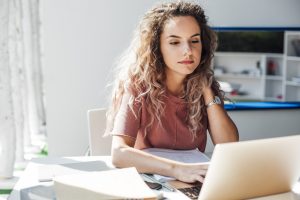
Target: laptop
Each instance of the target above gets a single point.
(250, 169)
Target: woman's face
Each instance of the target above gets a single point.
(180, 45)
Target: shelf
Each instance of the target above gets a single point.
(246, 54)
(274, 77)
(242, 54)
(230, 67)
(292, 33)
(274, 55)
(273, 99)
(238, 76)
(244, 97)
(293, 58)
(292, 83)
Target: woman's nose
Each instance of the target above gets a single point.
(187, 50)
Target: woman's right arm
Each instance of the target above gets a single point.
(124, 155)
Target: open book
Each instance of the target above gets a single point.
(186, 156)
(123, 183)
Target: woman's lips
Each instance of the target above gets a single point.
(186, 62)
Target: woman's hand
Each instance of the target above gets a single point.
(190, 173)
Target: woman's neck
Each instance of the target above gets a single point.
(175, 85)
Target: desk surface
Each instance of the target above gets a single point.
(28, 186)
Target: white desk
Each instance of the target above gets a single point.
(28, 186)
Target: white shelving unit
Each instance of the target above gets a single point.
(262, 76)
(274, 82)
(249, 71)
(292, 66)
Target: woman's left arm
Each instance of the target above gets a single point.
(221, 127)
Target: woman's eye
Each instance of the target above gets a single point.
(174, 43)
(195, 41)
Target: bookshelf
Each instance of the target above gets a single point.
(262, 76)
(292, 66)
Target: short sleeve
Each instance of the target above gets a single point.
(127, 120)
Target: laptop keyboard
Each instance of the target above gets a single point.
(191, 192)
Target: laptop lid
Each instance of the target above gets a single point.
(254, 168)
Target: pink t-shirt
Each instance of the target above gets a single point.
(173, 134)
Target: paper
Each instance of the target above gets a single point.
(123, 183)
(186, 156)
(48, 172)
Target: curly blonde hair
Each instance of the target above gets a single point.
(142, 68)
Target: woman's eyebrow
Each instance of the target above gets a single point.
(173, 36)
(176, 36)
(197, 34)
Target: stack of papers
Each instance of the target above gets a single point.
(186, 156)
(113, 184)
(48, 172)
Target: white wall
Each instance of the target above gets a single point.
(82, 38)
(264, 13)
(259, 124)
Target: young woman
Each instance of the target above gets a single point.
(166, 95)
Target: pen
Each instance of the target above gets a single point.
(165, 185)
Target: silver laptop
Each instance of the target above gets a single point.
(254, 168)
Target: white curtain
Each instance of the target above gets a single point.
(7, 128)
(22, 115)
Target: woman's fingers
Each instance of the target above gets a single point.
(199, 178)
(196, 175)
(192, 172)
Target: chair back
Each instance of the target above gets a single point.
(98, 144)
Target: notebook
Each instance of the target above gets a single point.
(186, 156)
(249, 169)
(124, 183)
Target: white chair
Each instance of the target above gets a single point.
(98, 145)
